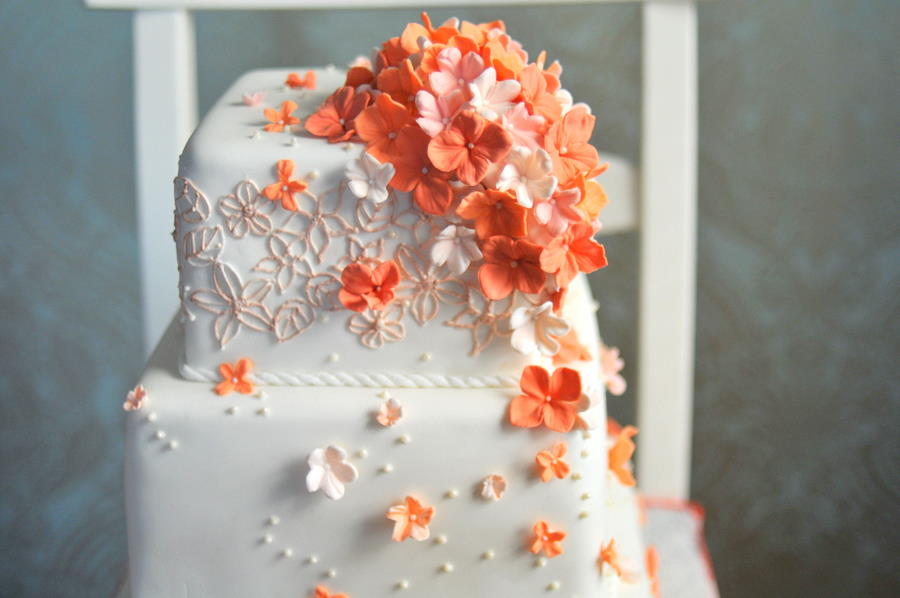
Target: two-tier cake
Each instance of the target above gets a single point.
(386, 377)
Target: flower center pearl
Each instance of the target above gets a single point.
(234, 380)
(341, 121)
(424, 170)
(412, 517)
(548, 398)
(563, 150)
(392, 135)
(446, 120)
(461, 81)
(514, 264)
(284, 187)
(470, 145)
(545, 539)
(377, 288)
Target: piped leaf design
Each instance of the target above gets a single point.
(203, 245)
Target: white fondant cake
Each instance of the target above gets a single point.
(386, 375)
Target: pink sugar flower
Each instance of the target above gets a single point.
(437, 112)
(611, 363)
(558, 211)
(524, 128)
(455, 70)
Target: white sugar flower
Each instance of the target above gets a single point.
(329, 471)
(534, 328)
(565, 99)
(493, 487)
(456, 247)
(529, 175)
(492, 98)
(368, 178)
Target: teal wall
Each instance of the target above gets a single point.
(797, 391)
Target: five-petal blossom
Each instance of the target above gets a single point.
(510, 265)
(410, 519)
(455, 246)
(528, 174)
(284, 189)
(550, 463)
(368, 178)
(491, 98)
(547, 540)
(135, 399)
(379, 124)
(573, 252)
(436, 113)
(469, 146)
(335, 118)
(536, 328)
(390, 412)
(281, 118)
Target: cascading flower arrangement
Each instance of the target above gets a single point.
(457, 116)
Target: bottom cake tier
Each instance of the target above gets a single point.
(219, 502)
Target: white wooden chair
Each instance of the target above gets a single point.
(166, 111)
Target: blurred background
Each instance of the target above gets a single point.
(797, 405)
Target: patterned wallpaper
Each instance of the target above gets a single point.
(797, 390)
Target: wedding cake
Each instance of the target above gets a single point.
(386, 376)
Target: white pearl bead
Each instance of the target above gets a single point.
(447, 567)
(488, 555)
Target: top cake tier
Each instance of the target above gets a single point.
(413, 221)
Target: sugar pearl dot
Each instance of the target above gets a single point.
(231, 410)
(392, 234)
(426, 356)
(576, 476)
(441, 539)
(404, 439)
(333, 357)
(332, 573)
(403, 584)
(173, 444)
(553, 586)
(273, 520)
(312, 175)
(152, 417)
(586, 434)
(583, 515)
(262, 395)
(264, 411)
(585, 496)
(324, 318)
(585, 453)
(295, 142)
(287, 553)
(160, 434)
(452, 493)
(488, 555)
(313, 559)
(447, 567)
(255, 135)
(595, 305)
(362, 453)
(384, 395)
(268, 539)
(387, 468)
(541, 562)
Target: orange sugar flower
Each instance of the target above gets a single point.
(571, 349)
(410, 519)
(364, 288)
(401, 83)
(359, 75)
(509, 265)
(550, 463)
(593, 197)
(620, 453)
(235, 378)
(323, 592)
(504, 55)
(296, 81)
(335, 117)
(281, 118)
(572, 252)
(286, 187)
(547, 540)
(469, 146)
(495, 213)
(379, 125)
(613, 428)
(538, 93)
(551, 401)
(609, 556)
(430, 187)
(568, 143)
(391, 54)
(652, 560)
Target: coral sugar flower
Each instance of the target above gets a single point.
(509, 265)
(286, 186)
(429, 186)
(469, 146)
(296, 81)
(551, 401)
(281, 118)
(323, 592)
(364, 288)
(410, 519)
(572, 252)
(550, 463)
(620, 453)
(379, 124)
(335, 117)
(547, 540)
(568, 143)
(495, 213)
(610, 556)
(235, 378)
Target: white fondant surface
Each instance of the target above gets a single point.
(229, 146)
